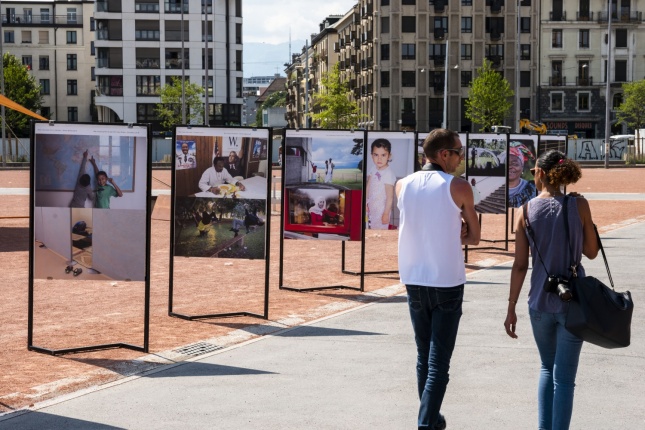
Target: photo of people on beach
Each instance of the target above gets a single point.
(323, 162)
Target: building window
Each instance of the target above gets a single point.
(43, 37)
(385, 113)
(408, 51)
(385, 2)
(466, 24)
(93, 73)
(408, 24)
(71, 15)
(466, 2)
(557, 102)
(437, 52)
(43, 62)
(71, 38)
(27, 61)
(92, 49)
(238, 33)
(72, 62)
(385, 24)
(26, 36)
(44, 87)
(495, 26)
(385, 51)
(44, 111)
(92, 24)
(466, 51)
(147, 112)
(525, 51)
(621, 38)
(238, 8)
(440, 27)
(72, 87)
(525, 24)
(385, 79)
(9, 36)
(621, 71)
(584, 103)
(148, 85)
(556, 38)
(556, 73)
(466, 78)
(583, 37)
(617, 101)
(525, 107)
(408, 112)
(72, 114)
(408, 78)
(238, 60)
(44, 16)
(409, 2)
(525, 78)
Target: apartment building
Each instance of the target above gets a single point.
(54, 39)
(409, 62)
(139, 49)
(574, 63)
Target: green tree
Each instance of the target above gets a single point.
(21, 87)
(632, 110)
(489, 96)
(169, 110)
(276, 99)
(332, 106)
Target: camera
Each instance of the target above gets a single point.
(560, 285)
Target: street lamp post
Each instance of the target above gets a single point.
(608, 87)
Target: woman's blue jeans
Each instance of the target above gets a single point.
(435, 314)
(559, 353)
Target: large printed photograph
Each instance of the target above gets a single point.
(323, 182)
(521, 159)
(221, 202)
(390, 157)
(91, 194)
(486, 171)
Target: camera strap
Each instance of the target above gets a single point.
(565, 209)
(529, 229)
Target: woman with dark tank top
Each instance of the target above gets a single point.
(559, 350)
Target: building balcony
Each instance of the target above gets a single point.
(624, 15)
(439, 60)
(439, 33)
(495, 34)
(496, 60)
(557, 81)
(496, 6)
(144, 7)
(148, 63)
(584, 16)
(142, 35)
(16, 20)
(439, 6)
(558, 15)
(584, 81)
(108, 6)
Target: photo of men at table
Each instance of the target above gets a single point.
(225, 168)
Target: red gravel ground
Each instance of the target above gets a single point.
(75, 313)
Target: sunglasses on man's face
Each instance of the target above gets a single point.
(459, 151)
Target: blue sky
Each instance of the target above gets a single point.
(270, 21)
(339, 150)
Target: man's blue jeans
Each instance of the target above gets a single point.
(435, 314)
(559, 354)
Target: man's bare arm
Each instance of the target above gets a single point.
(462, 194)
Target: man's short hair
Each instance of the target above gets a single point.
(437, 140)
(101, 173)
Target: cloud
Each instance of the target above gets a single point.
(269, 22)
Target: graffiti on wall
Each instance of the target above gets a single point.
(592, 149)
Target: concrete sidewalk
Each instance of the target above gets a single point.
(355, 370)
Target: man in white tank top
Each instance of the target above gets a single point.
(437, 217)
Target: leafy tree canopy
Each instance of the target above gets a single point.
(276, 99)
(169, 110)
(632, 110)
(489, 96)
(332, 106)
(21, 87)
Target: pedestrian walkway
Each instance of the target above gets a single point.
(355, 370)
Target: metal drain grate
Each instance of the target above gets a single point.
(198, 348)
